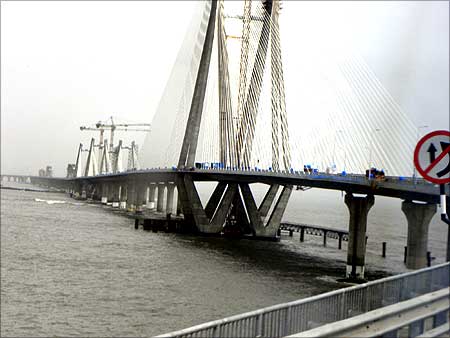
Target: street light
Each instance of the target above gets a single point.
(345, 158)
(333, 165)
(371, 150)
(417, 139)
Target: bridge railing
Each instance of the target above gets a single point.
(301, 315)
(352, 177)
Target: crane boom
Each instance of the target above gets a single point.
(123, 125)
(100, 126)
(119, 129)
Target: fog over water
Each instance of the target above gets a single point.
(67, 64)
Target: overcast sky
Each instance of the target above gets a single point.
(67, 64)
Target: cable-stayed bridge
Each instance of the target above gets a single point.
(348, 121)
(223, 118)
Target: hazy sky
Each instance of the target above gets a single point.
(67, 64)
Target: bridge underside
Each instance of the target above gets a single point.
(231, 208)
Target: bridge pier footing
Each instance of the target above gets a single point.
(419, 217)
(356, 252)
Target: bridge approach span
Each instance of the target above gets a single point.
(357, 184)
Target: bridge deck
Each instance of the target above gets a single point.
(404, 188)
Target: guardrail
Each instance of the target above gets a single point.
(305, 314)
(407, 319)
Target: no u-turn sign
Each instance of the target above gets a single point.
(432, 157)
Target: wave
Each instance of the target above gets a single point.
(49, 201)
(75, 203)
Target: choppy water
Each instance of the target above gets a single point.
(69, 268)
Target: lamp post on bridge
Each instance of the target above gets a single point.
(371, 150)
(333, 165)
(417, 139)
(345, 158)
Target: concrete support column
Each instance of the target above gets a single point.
(78, 189)
(179, 211)
(131, 196)
(194, 215)
(110, 193)
(273, 224)
(151, 196)
(141, 192)
(257, 216)
(160, 201)
(115, 195)
(170, 194)
(419, 217)
(123, 196)
(104, 193)
(96, 192)
(147, 193)
(356, 252)
(83, 192)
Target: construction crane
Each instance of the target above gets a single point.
(101, 127)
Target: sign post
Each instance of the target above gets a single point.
(432, 161)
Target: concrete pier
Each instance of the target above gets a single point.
(170, 200)
(356, 252)
(104, 193)
(151, 196)
(123, 196)
(419, 217)
(116, 195)
(83, 192)
(131, 196)
(141, 191)
(96, 192)
(179, 210)
(160, 201)
(110, 191)
(78, 189)
(147, 192)
(257, 215)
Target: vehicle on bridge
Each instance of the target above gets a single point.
(374, 173)
(309, 169)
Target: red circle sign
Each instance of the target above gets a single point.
(432, 157)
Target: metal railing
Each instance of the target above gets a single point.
(305, 314)
(405, 319)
